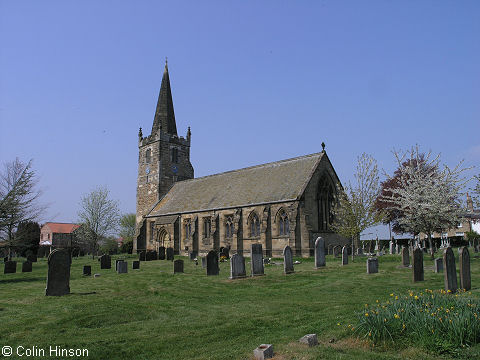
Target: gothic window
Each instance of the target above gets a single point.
(325, 203)
(283, 226)
(188, 229)
(254, 225)
(148, 156)
(152, 229)
(174, 155)
(207, 227)
(229, 228)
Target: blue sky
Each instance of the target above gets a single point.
(257, 81)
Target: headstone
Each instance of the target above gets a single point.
(27, 266)
(371, 248)
(465, 277)
(161, 253)
(449, 270)
(204, 262)
(142, 256)
(256, 259)
(417, 265)
(151, 255)
(116, 263)
(87, 270)
(329, 249)
(32, 258)
(170, 254)
(309, 339)
(225, 253)
(5, 259)
(212, 263)
(391, 247)
(360, 251)
(58, 278)
(397, 249)
(105, 262)
(337, 250)
(10, 267)
(122, 267)
(193, 255)
(288, 260)
(237, 267)
(266, 261)
(264, 351)
(319, 252)
(405, 257)
(135, 265)
(438, 265)
(344, 256)
(178, 266)
(372, 265)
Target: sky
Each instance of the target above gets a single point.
(257, 81)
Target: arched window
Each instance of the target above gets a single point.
(254, 225)
(188, 229)
(325, 202)
(152, 230)
(283, 226)
(148, 156)
(229, 228)
(174, 156)
(207, 227)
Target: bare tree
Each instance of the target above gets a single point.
(19, 199)
(476, 191)
(99, 216)
(355, 208)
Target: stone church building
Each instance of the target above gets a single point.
(287, 202)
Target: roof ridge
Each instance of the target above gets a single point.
(54, 222)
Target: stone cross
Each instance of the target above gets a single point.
(465, 277)
(438, 265)
(319, 253)
(405, 257)
(87, 270)
(212, 263)
(449, 270)
(417, 265)
(58, 277)
(161, 253)
(27, 266)
(170, 254)
(237, 267)
(256, 260)
(122, 267)
(372, 265)
(288, 260)
(178, 266)
(344, 256)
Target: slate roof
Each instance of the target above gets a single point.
(273, 182)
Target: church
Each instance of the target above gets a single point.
(287, 202)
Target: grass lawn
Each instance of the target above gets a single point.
(152, 314)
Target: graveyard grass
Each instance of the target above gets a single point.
(152, 314)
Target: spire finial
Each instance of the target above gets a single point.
(323, 146)
(166, 62)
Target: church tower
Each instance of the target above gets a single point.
(163, 157)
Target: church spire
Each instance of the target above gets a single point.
(164, 114)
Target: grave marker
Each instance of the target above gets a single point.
(344, 256)
(256, 259)
(438, 265)
(161, 253)
(177, 266)
(405, 257)
(27, 266)
(10, 267)
(135, 265)
(105, 262)
(170, 254)
(449, 270)
(237, 267)
(87, 270)
(372, 265)
(122, 267)
(465, 276)
(417, 265)
(288, 260)
(212, 263)
(58, 277)
(319, 253)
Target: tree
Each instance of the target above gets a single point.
(355, 210)
(27, 238)
(428, 195)
(476, 191)
(99, 216)
(127, 231)
(19, 199)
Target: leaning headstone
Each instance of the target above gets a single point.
(10, 267)
(344, 256)
(264, 351)
(58, 278)
(438, 265)
(256, 259)
(288, 260)
(309, 339)
(449, 270)
(142, 256)
(212, 263)
(87, 270)
(465, 277)
(27, 266)
(319, 252)
(32, 258)
(135, 265)
(122, 267)
(237, 267)
(372, 265)
(417, 265)
(405, 257)
(178, 266)
(161, 253)
(170, 254)
(105, 262)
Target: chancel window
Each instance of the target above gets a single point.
(254, 225)
(188, 229)
(229, 228)
(283, 226)
(148, 156)
(207, 227)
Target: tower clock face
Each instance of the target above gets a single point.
(174, 169)
(147, 170)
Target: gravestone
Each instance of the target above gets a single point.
(177, 266)
(288, 260)
(405, 257)
(237, 267)
(225, 253)
(142, 256)
(344, 256)
(319, 252)
(465, 277)
(10, 267)
(116, 263)
(170, 254)
(256, 259)
(264, 351)
(397, 249)
(161, 253)
(372, 265)
(212, 263)
(58, 277)
(122, 267)
(5, 259)
(329, 249)
(135, 265)
(391, 248)
(309, 339)
(27, 266)
(193, 255)
(438, 268)
(417, 265)
(151, 255)
(87, 270)
(336, 250)
(204, 262)
(371, 247)
(360, 251)
(449, 270)
(32, 258)
(105, 262)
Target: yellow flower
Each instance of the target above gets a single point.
(416, 297)
(396, 316)
(396, 297)
(366, 314)
(449, 291)
(391, 294)
(338, 324)
(384, 320)
(403, 327)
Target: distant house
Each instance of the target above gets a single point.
(57, 234)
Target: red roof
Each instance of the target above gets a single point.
(62, 228)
